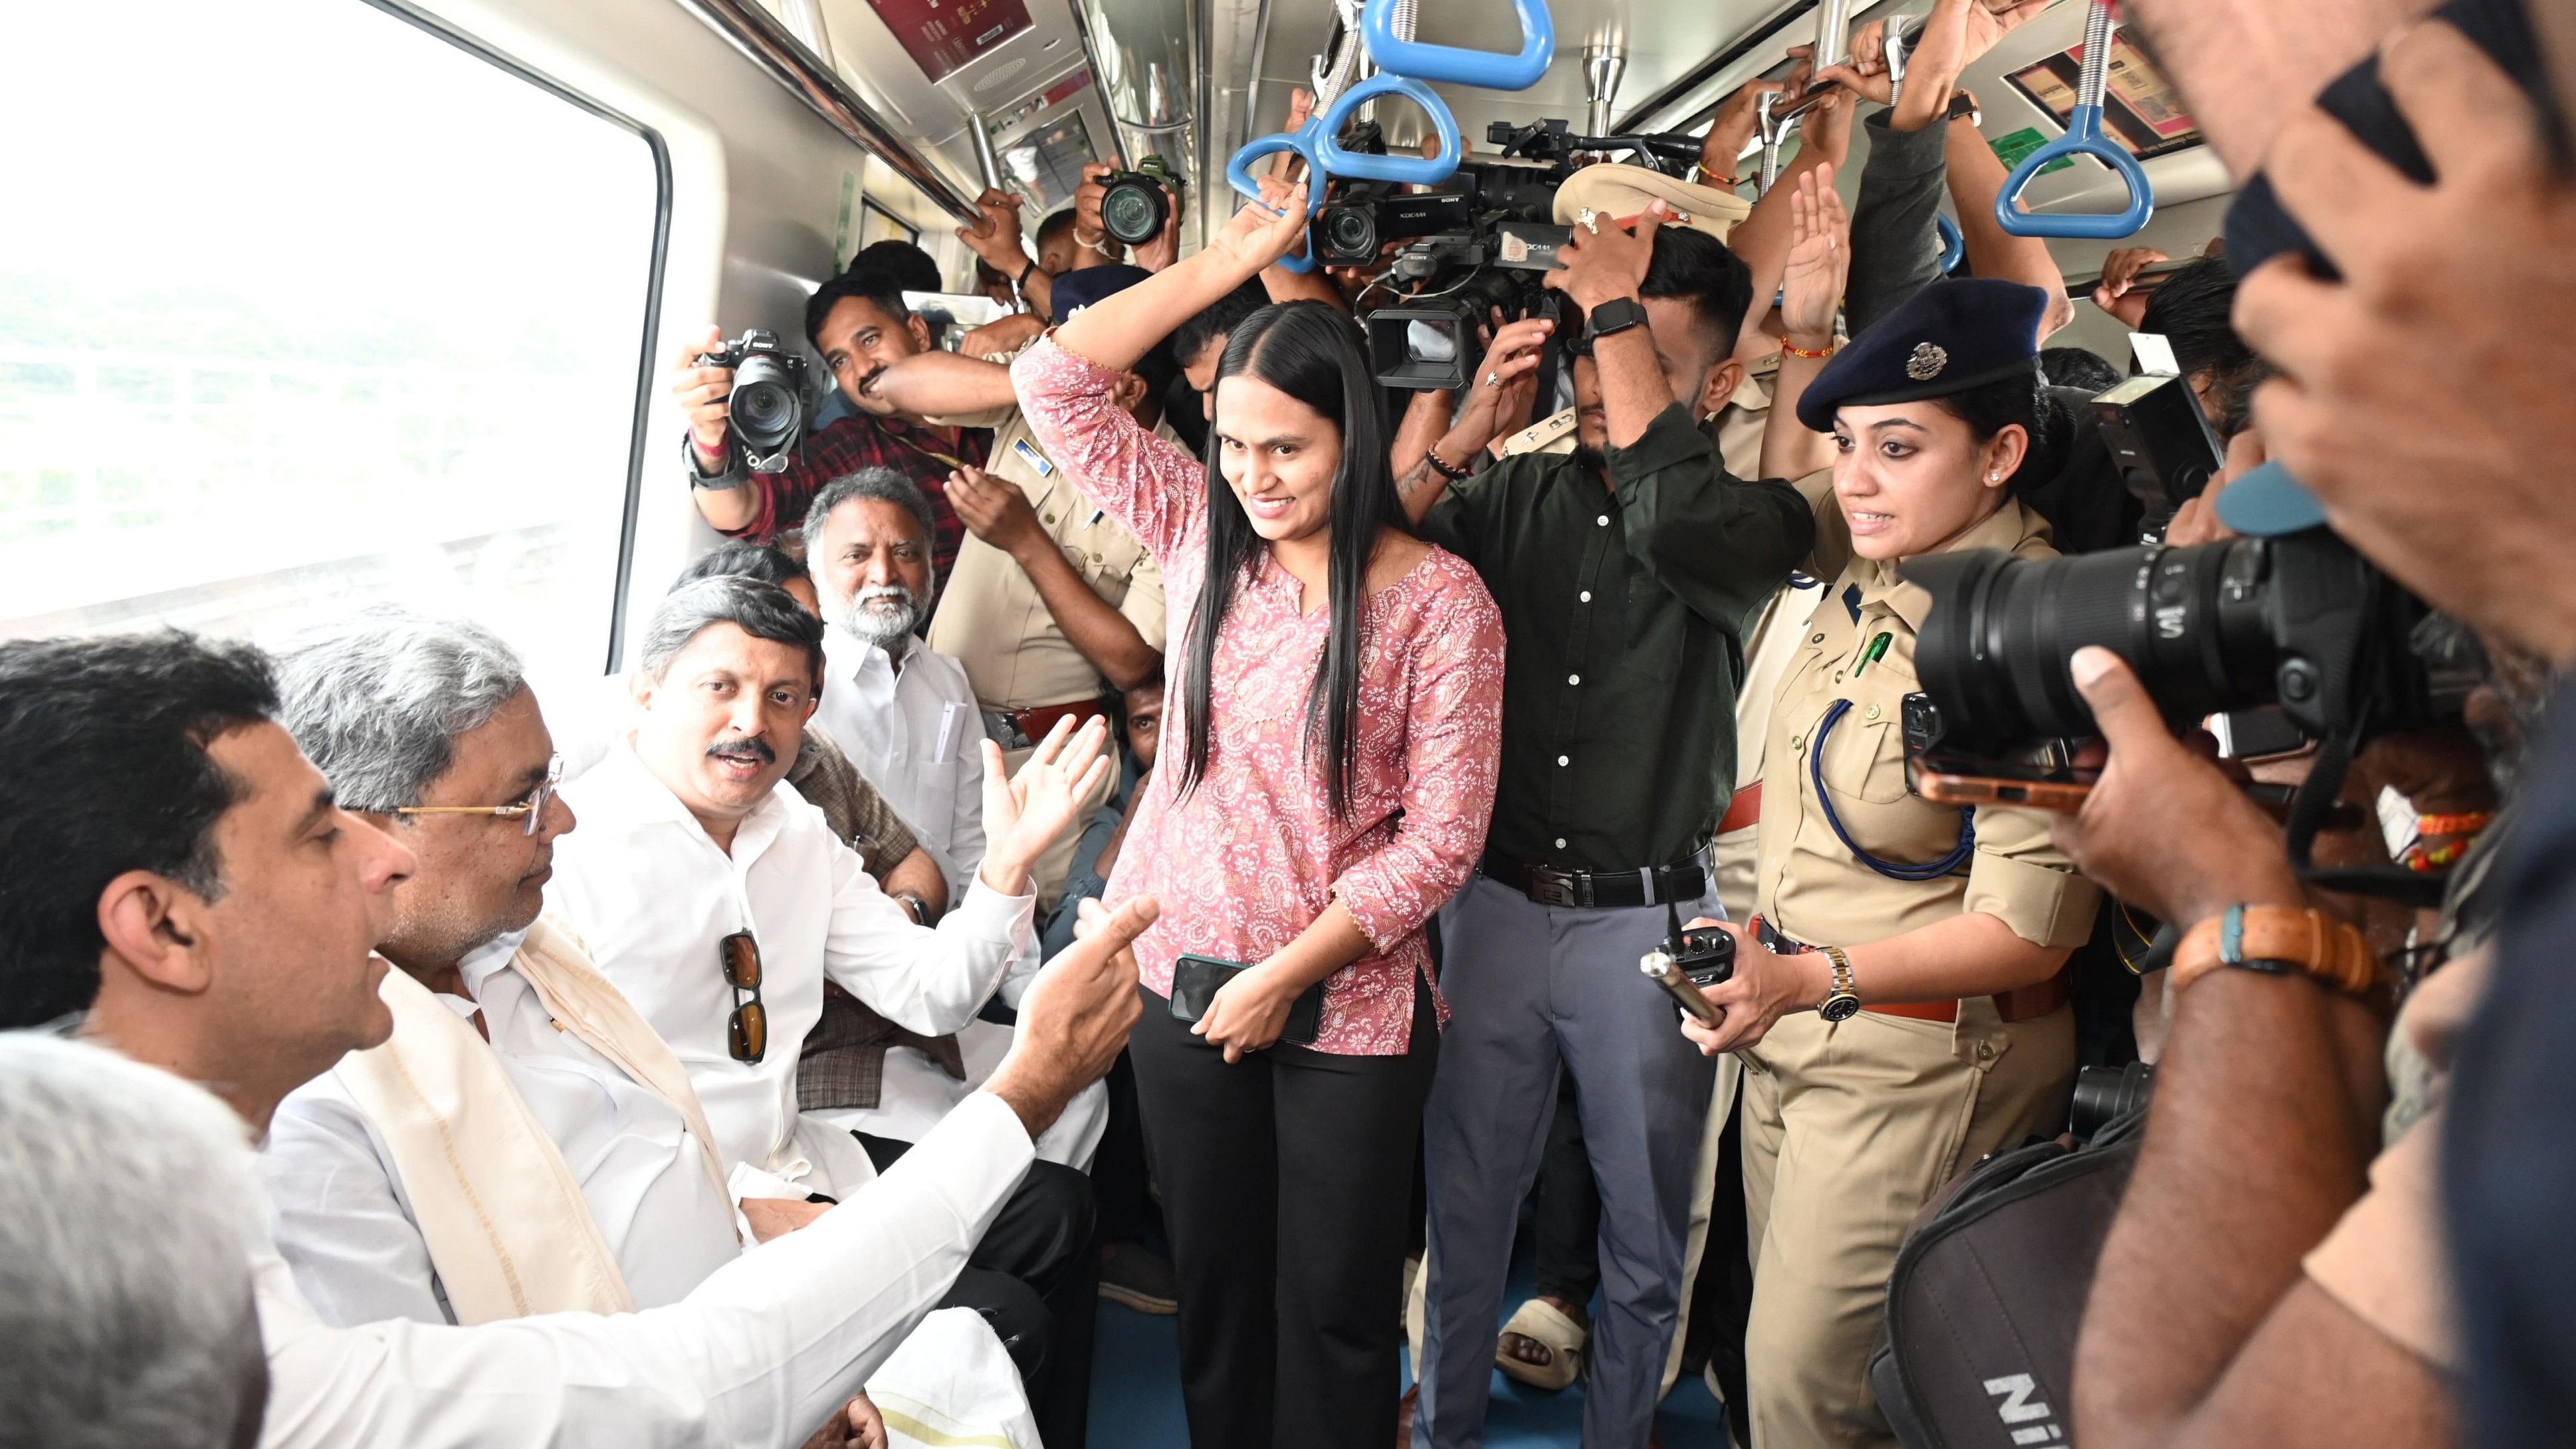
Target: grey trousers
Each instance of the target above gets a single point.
(1530, 985)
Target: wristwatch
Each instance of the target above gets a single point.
(919, 908)
(1840, 1004)
(2282, 941)
(1963, 107)
(1616, 315)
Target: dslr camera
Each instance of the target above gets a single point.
(1136, 205)
(2302, 622)
(767, 408)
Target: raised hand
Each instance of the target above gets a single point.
(2114, 293)
(1502, 383)
(703, 393)
(1607, 258)
(995, 236)
(1264, 231)
(1023, 814)
(993, 509)
(1723, 148)
(1819, 260)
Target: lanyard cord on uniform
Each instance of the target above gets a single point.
(1893, 870)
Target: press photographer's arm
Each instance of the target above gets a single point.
(2268, 1093)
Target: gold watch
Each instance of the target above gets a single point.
(1840, 1003)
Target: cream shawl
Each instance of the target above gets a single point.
(504, 1220)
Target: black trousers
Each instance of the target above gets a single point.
(1035, 1278)
(1286, 1188)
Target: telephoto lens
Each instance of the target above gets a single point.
(2301, 621)
(1133, 208)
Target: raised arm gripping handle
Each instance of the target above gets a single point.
(1306, 142)
(1409, 170)
(2084, 137)
(1462, 67)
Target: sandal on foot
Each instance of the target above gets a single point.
(1544, 1324)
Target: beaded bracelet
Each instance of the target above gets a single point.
(1794, 350)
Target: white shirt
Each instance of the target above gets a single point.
(345, 1224)
(918, 737)
(768, 1347)
(651, 895)
(918, 1092)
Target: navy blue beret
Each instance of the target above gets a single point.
(1076, 290)
(1955, 334)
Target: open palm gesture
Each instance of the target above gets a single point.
(1819, 260)
(1024, 813)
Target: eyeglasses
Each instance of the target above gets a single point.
(747, 1030)
(532, 809)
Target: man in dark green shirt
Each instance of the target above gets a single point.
(1626, 571)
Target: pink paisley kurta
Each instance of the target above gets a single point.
(1248, 860)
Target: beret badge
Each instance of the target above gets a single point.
(1927, 362)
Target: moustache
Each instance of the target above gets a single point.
(745, 749)
(868, 384)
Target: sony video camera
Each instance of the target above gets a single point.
(767, 408)
(2300, 621)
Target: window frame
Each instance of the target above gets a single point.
(639, 435)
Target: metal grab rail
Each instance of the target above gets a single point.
(1488, 69)
(2084, 137)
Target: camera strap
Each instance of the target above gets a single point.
(2308, 807)
(1892, 869)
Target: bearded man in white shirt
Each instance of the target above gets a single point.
(719, 902)
(904, 712)
(170, 862)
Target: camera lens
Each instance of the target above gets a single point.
(1133, 210)
(1350, 233)
(2191, 621)
(2104, 1095)
(765, 407)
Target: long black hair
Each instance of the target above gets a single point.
(1310, 352)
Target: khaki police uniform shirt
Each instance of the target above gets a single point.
(1809, 886)
(991, 618)
(1737, 430)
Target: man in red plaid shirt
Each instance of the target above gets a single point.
(859, 323)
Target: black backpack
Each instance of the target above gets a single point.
(1983, 1305)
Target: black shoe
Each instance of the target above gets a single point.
(1131, 1275)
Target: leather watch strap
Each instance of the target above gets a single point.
(2279, 938)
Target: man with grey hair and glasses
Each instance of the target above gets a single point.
(905, 713)
(124, 1296)
(174, 869)
(720, 903)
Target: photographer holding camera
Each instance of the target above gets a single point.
(1899, 1002)
(859, 323)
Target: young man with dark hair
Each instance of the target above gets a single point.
(2194, 309)
(1625, 570)
(859, 324)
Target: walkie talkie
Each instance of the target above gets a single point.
(1688, 962)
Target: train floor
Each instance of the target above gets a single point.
(1136, 1390)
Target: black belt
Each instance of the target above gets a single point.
(1775, 943)
(1683, 880)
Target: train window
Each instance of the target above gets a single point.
(308, 306)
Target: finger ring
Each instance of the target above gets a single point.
(1585, 216)
(1493, 379)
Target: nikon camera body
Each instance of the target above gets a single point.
(767, 409)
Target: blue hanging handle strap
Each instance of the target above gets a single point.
(1462, 67)
(1954, 243)
(2084, 137)
(1892, 869)
(1407, 170)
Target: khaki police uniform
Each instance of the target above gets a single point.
(1850, 1128)
(1017, 657)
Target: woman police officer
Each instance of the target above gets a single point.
(1899, 1001)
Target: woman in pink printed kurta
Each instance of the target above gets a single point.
(1286, 1170)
